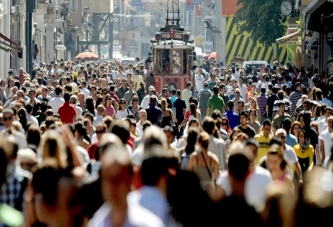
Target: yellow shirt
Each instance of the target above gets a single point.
(263, 146)
(305, 158)
(137, 80)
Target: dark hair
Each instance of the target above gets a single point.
(191, 140)
(58, 90)
(286, 124)
(230, 105)
(267, 122)
(216, 90)
(263, 90)
(90, 105)
(244, 113)
(153, 99)
(195, 101)
(275, 140)
(33, 135)
(121, 129)
(155, 167)
(238, 166)
(193, 110)
(23, 118)
(145, 125)
(208, 125)
(67, 96)
(81, 130)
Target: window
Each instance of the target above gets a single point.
(134, 46)
(176, 62)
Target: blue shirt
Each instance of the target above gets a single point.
(233, 118)
(173, 99)
(291, 140)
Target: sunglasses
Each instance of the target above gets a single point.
(7, 118)
(135, 100)
(100, 131)
(109, 99)
(105, 93)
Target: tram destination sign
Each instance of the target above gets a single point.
(166, 35)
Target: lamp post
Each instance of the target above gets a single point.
(30, 5)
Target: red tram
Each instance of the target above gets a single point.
(172, 52)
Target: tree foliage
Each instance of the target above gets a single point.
(262, 19)
(66, 16)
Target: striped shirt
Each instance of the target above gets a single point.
(262, 100)
(294, 97)
(186, 95)
(287, 104)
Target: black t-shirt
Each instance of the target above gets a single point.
(90, 197)
(270, 102)
(179, 105)
(236, 212)
(248, 131)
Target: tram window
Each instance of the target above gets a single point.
(176, 61)
(184, 62)
(159, 61)
(166, 61)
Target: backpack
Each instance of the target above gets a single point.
(204, 97)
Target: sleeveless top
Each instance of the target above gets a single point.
(166, 120)
(202, 172)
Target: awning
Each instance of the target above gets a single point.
(288, 37)
(9, 46)
(313, 12)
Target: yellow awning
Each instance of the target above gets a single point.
(288, 37)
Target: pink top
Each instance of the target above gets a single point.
(110, 111)
(283, 177)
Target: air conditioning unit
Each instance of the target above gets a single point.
(135, 35)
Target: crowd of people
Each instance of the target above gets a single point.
(94, 144)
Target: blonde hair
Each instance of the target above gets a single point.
(164, 104)
(52, 147)
(17, 126)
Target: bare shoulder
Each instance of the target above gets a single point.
(213, 156)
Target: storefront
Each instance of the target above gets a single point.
(317, 22)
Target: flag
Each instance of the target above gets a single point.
(197, 10)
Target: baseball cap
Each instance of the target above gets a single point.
(168, 129)
(151, 88)
(8, 110)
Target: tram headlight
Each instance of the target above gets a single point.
(158, 37)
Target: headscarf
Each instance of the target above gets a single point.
(306, 144)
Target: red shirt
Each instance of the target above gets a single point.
(67, 112)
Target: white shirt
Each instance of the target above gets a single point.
(145, 102)
(32, 119)
(199, 82)
(153, 200)
(322, 125)
(289, 155)
(326, 135)
(255, 186)
(78, 110)
(55, 103)
(97, 119)
(139, 128)
(243, 91)
(121, 114)
(86, 92)
(136, 216)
